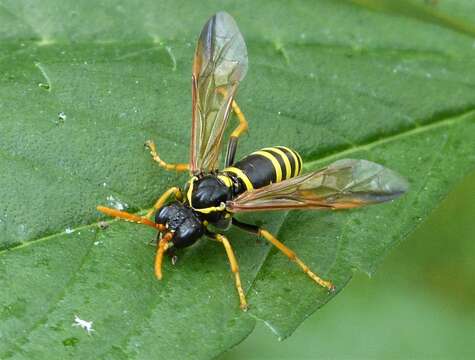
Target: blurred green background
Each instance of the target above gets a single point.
(420, 304)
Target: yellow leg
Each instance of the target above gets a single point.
(161, 201)
(292, 256)
(234, 268)
(242, 121)
(153, 151)
(233, 139)
(162, 246)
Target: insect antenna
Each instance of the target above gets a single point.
(162, 246)
(131, 217)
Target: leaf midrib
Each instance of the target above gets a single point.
(309, 164)
(423, 14)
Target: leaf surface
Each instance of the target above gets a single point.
(331, 79)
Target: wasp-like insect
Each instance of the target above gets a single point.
(268, 179)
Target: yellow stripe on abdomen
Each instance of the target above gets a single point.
(275, 163)
(285, 159)
(297, 160)
(264, 167)
(242, 176)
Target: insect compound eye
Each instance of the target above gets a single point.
(170, 214)
(190, 230)
(163, 215)
(187, 234)
(186, 227)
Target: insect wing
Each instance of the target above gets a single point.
(343, 184)
(219, 65)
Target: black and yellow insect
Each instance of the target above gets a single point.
(268, 179)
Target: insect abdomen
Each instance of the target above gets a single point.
(266, 166)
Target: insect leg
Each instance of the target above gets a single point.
(162, 246)
(234, 266)
(293, 257)
(161, 201)
(233, 139)
(153, 151)
(130, 217)
(253, 229)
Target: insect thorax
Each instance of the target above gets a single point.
(207, 196)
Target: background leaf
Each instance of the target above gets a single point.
(355, 79)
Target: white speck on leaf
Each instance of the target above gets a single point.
(172, 57)
(62, 116)
(116, 203)
(68, 230)
(86, 325)
(47, 85)
(22, 231)
(103, 225)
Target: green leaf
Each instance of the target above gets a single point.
(333, 80)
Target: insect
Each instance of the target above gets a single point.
(268, 179)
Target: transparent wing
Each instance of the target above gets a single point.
(343, 184)
(219, 65)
